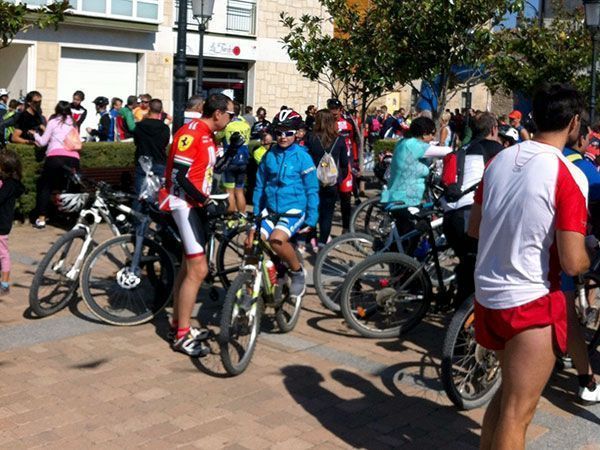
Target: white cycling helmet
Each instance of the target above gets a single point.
(3, 92)
(71, 203)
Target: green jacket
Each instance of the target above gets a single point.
(127, 115)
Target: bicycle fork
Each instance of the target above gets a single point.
(73, 273)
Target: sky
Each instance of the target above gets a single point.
(531, 10)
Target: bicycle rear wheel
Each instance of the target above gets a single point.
(470, 373)
(118, 295)
(230, 255)
(240, 324)
(333, 263)
(57, 276)
(386, 295)
(368, 217)
(592, 328)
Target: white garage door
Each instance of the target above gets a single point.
(96, 73)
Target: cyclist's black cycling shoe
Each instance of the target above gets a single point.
(191, 344)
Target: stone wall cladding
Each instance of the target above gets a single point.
(159, 76)
(46, 75)
(277, 84)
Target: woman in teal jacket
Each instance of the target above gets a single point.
(409, 170)
(408, 173)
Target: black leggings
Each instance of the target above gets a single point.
(327, 199)
(346, 208)
(54, 177)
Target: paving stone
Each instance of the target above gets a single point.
(80, 385)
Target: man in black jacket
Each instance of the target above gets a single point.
(151, 137)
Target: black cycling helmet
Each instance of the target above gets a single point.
(101, 101)
(334, 103)
(287, 119)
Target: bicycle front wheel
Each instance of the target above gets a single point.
(57, 276)
(121, 295)
(240, 324)
(470, 373)
(386, 295)
(333, 263)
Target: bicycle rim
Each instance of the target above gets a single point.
(119, 296)
(230, 255)
(474, 370)
(335, 261)
(385, 295)
(56, 279)
(240, 325)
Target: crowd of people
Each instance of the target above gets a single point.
(515, 206)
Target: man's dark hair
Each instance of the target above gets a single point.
(30, 95)
(114, 101)
(237, 108)
(396, 112)
(261, 109)
(156, 106)
(193, 102)
(215, 102)
(555, 105)
(283, 107)
(421, 126)
(131, 100)
(248, 109)
(79, 94)
(484, 124)
(13, 104)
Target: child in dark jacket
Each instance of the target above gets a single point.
(11, 188)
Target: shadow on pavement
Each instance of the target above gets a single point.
(561, 391)
(90, 365)
(376, 419)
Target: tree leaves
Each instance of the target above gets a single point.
(522, 59)
(15, 18)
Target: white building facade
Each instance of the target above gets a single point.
(117, 48)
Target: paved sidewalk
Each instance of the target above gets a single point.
(70, 382)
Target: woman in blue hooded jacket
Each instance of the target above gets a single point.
(286, 183)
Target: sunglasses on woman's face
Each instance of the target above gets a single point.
(285, 133)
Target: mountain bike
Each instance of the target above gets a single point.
(336, 259)
(471, 374)
(389, 293)
(56, 278)
(263, 281)
(128, 280)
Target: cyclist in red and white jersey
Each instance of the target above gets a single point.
(530, 216)
(188, 185)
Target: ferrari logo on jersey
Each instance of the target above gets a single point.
(184, 142)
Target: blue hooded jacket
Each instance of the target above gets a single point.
(287, 179)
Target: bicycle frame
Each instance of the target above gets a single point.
(89, 219)
(395, 237)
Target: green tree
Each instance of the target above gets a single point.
(346, 62)
(389, 43)
(522, 58)
(443, 43)
(16, 18)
